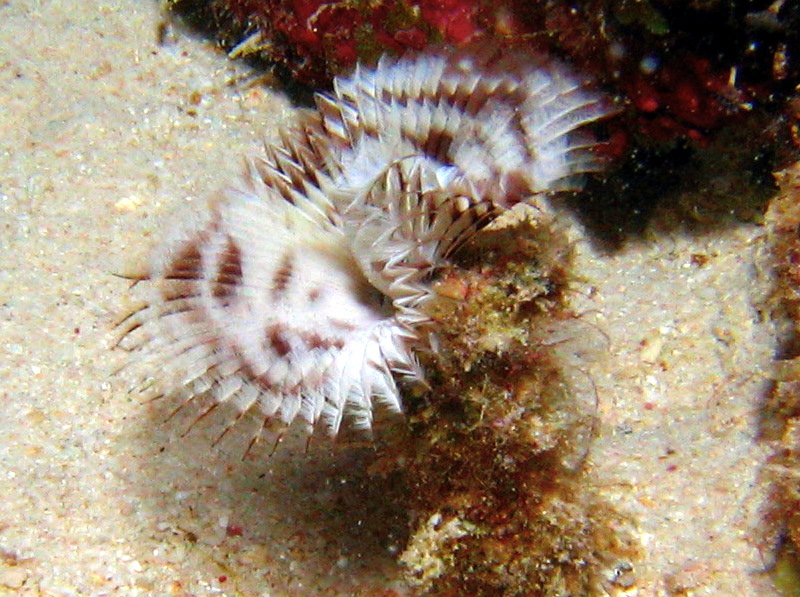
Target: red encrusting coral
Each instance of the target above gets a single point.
(686, 97)
(317, 40)
(683, 70)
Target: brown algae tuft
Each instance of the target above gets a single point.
(500, 501)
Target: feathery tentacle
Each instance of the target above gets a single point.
(302, 293)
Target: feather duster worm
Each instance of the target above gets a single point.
(302, 291)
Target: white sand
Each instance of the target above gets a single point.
(679, 401)
(103, 132)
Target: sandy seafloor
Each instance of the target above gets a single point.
(102, 133)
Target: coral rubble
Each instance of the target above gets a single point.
(782, 417)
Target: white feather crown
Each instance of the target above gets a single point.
(302, 291)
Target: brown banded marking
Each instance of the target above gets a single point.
(229, 275)
(345, 326)
(282, 276)
(187, 264)
(276, 339)
(314, 341)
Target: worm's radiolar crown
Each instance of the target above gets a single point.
(302, 291)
